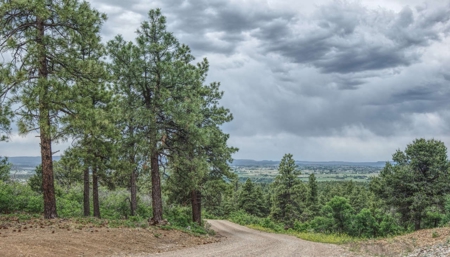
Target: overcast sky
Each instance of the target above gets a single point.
(323, 80)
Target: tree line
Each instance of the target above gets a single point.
(411, 193)
(129, 108)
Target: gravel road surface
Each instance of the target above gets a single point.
(242, 241)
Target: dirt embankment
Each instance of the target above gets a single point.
(427, 242)
(67, 238)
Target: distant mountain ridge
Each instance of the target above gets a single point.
(27, 162)
(248, 162)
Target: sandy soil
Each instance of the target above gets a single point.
(242, 241)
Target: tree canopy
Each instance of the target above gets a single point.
(50, 45)
(417, 180)
(288, 192)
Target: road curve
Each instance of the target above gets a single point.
(242, 241)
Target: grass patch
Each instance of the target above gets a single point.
(314, 237)
(268, 225)
(19, 216)
(86, 222)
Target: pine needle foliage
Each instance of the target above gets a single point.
(46, 42)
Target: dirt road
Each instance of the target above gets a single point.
(242, 241)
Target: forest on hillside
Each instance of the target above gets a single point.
(410, 193)
(147, 142)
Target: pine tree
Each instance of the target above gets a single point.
(313, 197)
(288, 192)
(198, 161)
(251, 199)
(215, 194)
(153, 73)
(90, 124)
(6, 113)
(340, 212)
(46, 40)
(125, 57)
(247, 198)
(418, 180)
(201, 153)
(5, 168)
(35, 181)
(67, 173)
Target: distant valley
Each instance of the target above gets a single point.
(263, 171)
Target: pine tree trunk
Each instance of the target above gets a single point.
(156, 189)
(95, 193)
(133, 190)
(48, 187)
(196, 207)
(44, 126)
(86, 206)
(417, 224)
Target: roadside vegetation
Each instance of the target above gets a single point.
(19, 201)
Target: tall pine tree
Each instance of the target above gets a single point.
(288, 192)
(156, 81)
(45, 40)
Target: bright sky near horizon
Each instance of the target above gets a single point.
(323, 80)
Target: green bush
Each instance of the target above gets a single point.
(389, 226)
(68, 208)
(365, 225)
(340, 212)
(269, 223)
(243, 218)
(114, 204)
(301, 226)
(35, 181)
(6, 196)
(16, 197)
(321, 225)
(178, 216)
(181, 218)
(144, 209)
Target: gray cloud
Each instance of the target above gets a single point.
(343, 78)
(206, 26)
(342, 37)
(313, 104)
(342, 81)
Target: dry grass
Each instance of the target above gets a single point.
(401, 245)
(314, 237)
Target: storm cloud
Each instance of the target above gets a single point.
(324, 80)
(342, 37)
